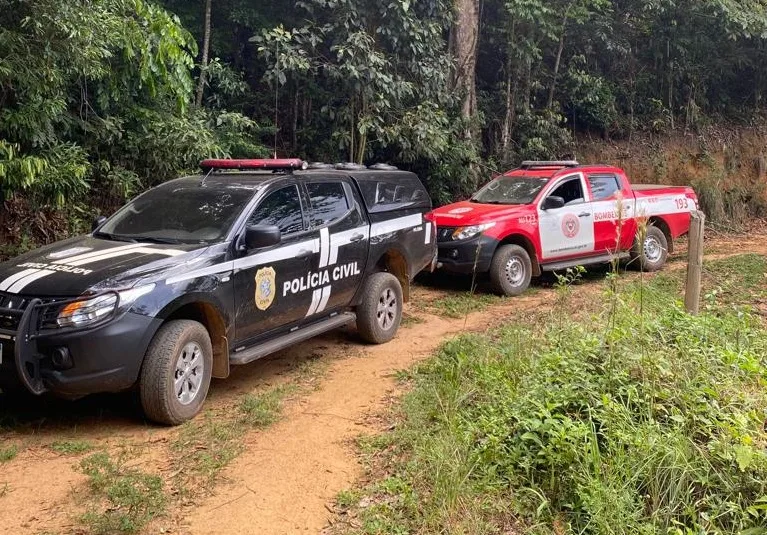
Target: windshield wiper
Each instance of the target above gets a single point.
(112, 237)
(497, 202)
(486, 202)
(149, 239)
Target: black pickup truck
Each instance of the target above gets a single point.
(209, 271)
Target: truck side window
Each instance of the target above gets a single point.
(570, 190)
(604, 186)
(382, 194)
(329, 202)
(281, 208)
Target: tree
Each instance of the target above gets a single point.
(464, 46)
(205, 52)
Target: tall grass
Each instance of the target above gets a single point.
(558, 426)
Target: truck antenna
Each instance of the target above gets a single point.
(202, 182)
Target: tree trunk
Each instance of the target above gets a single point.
(528, 84)
(557, 62)
(512, 85)
(205, 52)
(465, 37)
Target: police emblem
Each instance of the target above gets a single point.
(265, 285)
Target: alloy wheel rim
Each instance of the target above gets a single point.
(386, 311)
(190, 369)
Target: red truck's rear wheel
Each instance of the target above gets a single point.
(651, 254)
(510, 270)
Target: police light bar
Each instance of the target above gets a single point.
(241, 165)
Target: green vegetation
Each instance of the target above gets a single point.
(262, 410)
(738, 280)
(71, 447)
(459, 305)
(103, 99)
(8, 453)
(629, 422)
(409, 319)
(126, 498)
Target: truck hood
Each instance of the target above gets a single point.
(471, 213)
(72, 267)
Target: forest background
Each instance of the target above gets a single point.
(102, 99)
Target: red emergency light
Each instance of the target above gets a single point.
(266, 164)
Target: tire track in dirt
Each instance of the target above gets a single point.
(289, 473)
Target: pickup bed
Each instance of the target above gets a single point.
(546, 216)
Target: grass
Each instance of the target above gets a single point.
(737, 280)
(125, 499)
(409, 320)
(71, 447)
(622, 422)
(461, 304)
(262, 410)
(8, 453)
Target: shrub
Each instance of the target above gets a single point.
(623, 423)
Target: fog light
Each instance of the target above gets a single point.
(61, 358)
(453, 253)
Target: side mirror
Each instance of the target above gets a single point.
(259, 236)
(97, 222)
(553, 202)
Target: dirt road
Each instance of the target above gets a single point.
(287, 475)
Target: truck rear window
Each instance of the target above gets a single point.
(394, 193)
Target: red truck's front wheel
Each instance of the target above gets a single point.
(510, 270)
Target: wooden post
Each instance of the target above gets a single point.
(694, 262)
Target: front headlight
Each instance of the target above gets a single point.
(90, 311)
(464, 233)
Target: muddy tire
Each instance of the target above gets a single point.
(176, 373)
(380, 312)
(510, 270)
(652, 254)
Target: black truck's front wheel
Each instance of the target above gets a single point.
(176, 374)
(380, 312)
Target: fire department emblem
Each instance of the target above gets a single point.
(265, 288)
(570, 226)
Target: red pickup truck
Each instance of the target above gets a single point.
(547, 216)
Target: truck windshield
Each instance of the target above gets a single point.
(183, 214)
(510, 190)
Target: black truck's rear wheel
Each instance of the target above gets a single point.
(380, 312)
(176, 374)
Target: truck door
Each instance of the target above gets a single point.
(263, 279)
(336, 215)
(614, 221)
(567, 231)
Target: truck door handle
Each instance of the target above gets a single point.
(356, 238)
(584, 214)
(303, 253)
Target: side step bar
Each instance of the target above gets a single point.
(601, 259)
(310, 331)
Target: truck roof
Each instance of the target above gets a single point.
(384, 188)
(550, 169)
(256, 179)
